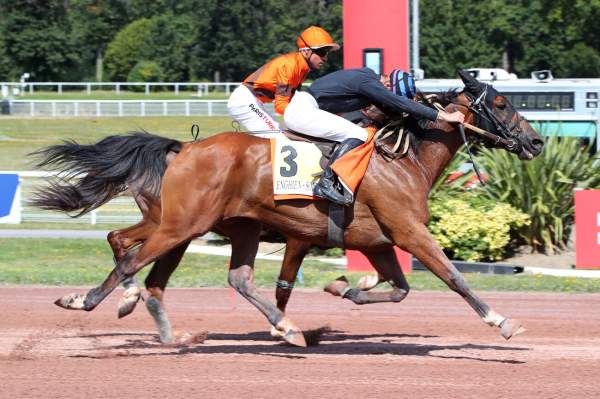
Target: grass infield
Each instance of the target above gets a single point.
(66, 262)
(20, 136)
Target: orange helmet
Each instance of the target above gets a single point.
(315, 37)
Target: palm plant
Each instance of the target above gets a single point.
(543, 188)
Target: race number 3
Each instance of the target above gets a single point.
(291, 167)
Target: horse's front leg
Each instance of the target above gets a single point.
(156, 283)
(244, 246)
(295, 251)
(421, 244)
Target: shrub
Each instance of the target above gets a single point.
(473, 228)
(145, 71)
(543, 188)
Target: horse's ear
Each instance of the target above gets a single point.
(472, 84)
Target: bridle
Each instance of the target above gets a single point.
(502, 132)
(489, 126)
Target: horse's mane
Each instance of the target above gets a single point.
(415, 127)
(444, 98)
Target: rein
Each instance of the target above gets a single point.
(491, 136)
(461, 128)
(510, 144)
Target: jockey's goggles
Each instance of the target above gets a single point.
(321, 52)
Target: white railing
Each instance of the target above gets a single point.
(120, 210)
(98, 108)
(201, 88)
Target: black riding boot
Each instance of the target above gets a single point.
(327, 187)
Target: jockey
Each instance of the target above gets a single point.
(313, 112)
(277, 80)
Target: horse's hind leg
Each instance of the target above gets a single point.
(422, 245)
(156, 282)
(244, 245)
(165, 238)
(386, 264)
(120, 242)
(130, 298)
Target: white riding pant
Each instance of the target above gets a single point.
(304, 116)
(248, 110)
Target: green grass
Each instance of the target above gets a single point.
(61, 226)
(123, 95)
(59, 262)
(20, 136)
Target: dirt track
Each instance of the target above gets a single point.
(432, 345)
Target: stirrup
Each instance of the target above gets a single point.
(326, 189)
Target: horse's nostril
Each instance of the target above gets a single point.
(537, 144)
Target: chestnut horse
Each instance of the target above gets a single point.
(225, 182)
(121, 241)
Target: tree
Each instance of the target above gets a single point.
(521, 36)
(125, 50)
(581, 61)
(95, 23)
(35, 38)
(453, 37)
(170, 44)
(235, 38)
(7, 67)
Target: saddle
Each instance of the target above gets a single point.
(383, 145)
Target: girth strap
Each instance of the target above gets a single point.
(335, 225)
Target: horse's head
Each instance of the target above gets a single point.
(494, 113)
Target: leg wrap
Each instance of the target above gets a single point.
(351, 294)
(284, 285)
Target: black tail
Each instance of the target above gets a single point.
(90, 175)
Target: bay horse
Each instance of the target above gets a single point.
(225, 181)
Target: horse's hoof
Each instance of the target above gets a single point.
(187, 339)
(71, 302)
(337, 287)
(368, 282)
(290, 333)
(127, 303)
(161, 320)
(275, 333)
(511, 327)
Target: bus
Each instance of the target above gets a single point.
(563, 107)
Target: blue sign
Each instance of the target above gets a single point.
(8, 189)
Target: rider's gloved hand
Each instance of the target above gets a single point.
(452, 117)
